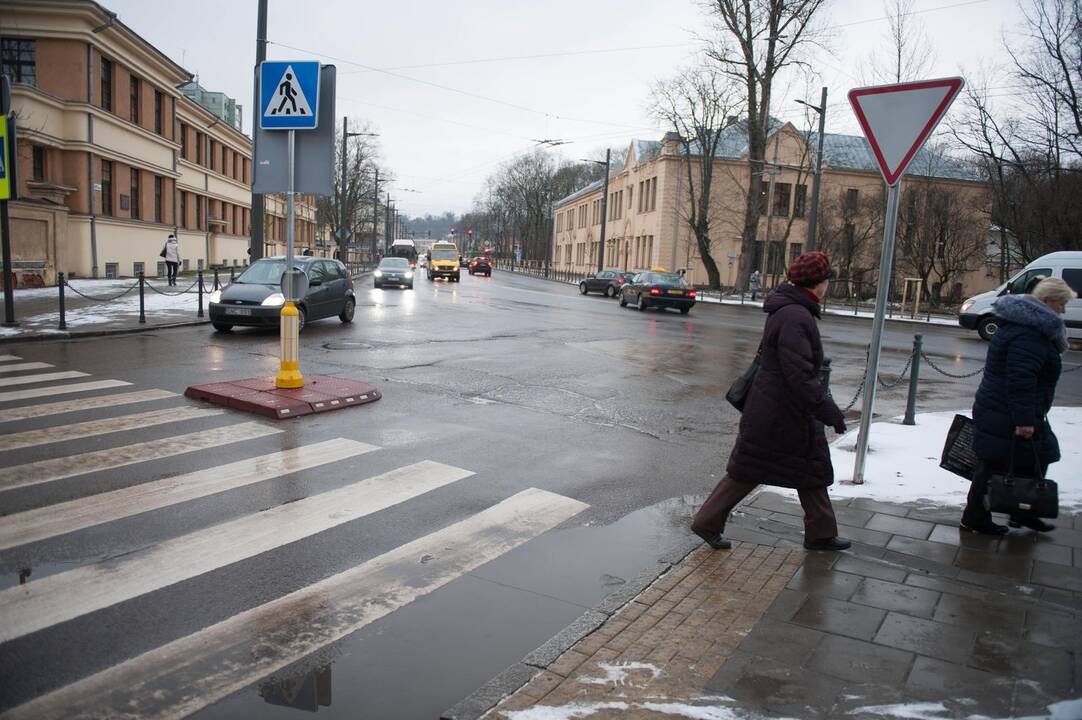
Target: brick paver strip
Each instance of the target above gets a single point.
(669, 641)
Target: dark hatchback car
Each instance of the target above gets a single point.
(606, 281)
(658, 289)
(393, 271)
(481, 265)
(255, 297)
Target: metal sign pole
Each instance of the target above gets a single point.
(882, 295)
(289, 373)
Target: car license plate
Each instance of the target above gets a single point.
(676, 292)
(238, 311)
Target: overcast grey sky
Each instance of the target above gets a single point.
(445, 125)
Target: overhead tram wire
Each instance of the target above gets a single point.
(447, 88)
(436, 118)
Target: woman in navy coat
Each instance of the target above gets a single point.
(1011, 407)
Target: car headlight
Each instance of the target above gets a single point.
(274, 300)
(409, 275)
(216, 296)
(378, 273)
(967, 305)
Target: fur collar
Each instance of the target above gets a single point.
(1031, 312)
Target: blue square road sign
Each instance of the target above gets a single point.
(289, 95)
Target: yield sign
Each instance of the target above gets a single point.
(897, 119)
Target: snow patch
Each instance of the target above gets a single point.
(906, 711)
(902, 464)
(619, 674)
(563, 712)
(674, 709)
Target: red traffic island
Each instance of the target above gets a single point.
(321, 393)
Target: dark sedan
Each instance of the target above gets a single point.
(255, 297)
(606, 281)
(481, 265)
(393, 271)
(658, 289)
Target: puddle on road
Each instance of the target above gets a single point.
(427, 656)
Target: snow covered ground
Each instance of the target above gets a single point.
(903, 461)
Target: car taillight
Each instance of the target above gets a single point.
(691, 294)
(655, 291)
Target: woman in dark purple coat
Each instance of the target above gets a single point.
(781, 440)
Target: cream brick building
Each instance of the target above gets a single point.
(649, 203)
(112, 157)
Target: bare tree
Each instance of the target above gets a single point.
(698, 104)
(847, 231)
(907, 54)
(754, 41)
(361, 160)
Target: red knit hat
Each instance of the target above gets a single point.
(810, 269)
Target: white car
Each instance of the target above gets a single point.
(977, 313)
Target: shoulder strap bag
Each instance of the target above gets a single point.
(738, 391)
(1031, 493)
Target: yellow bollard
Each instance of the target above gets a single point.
(289, 375)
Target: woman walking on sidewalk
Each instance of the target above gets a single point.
(1012, 403)
(171, 253)
(781, 440)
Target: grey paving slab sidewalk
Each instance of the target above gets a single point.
(918, 620)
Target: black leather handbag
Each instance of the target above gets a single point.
(1013, 493)
(738, 391)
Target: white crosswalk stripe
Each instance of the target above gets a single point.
(90, 428)
(54, 599)
(186, 675)
(61, 390)
(67, 517)
(44, 377)
(44, 471)
(18, 367)
(91, 403)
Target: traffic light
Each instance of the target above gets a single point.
(469, 232)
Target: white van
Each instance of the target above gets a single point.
(976, 312)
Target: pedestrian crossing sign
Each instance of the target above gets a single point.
(289, 95)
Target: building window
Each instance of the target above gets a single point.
(852, 197)
(112, 270)
(184, 141)
(37, 173)
(795, 250)
(157, 199)
(159, 99)
(198, 213)
(199, 148)
(106, 187)
(850, 235)
(107, 84)
(161, 269)
(135, 193)
(137, 268)
(133, 106)
(186, 265)
(182, 221)
(781, 199)
(17, 60)
(653, 193)
(236, 166)
(223, 166)
(800, 201)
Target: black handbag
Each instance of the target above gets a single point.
(958, 456)
(738, 391)
(1012, 493)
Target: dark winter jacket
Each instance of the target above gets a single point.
(781, 440)
(1019, 382)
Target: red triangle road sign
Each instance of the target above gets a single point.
(897, 119)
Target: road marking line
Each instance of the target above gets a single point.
(9, 358)
(66, 517)
(91, 428)
(45, 377)
(64, 596)
(188, 674)
(24, 366)
(44, 471)
(61, 389)
(91, 403)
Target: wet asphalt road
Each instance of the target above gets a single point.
(523, 382)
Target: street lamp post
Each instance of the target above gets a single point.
(604, 209)
(814, 215)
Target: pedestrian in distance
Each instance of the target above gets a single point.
(781, 441)
(1010, 410)
(753, 284)
(171, 253)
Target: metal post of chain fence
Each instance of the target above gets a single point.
(914, 378)
(142, 305)
(232, 273)
(60, 281)
(199, 282)
(216, 283)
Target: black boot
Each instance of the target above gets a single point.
(1033, 523)
(714, 540)
(832, 543)
(990, 528)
